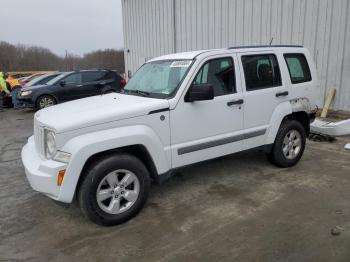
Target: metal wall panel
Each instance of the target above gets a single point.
(157, 27)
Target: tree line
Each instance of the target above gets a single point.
(34, 58)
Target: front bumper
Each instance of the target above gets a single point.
(25, 101)
(41, 173)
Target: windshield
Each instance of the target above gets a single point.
(54, 80)
(41, 80)
(158, 79)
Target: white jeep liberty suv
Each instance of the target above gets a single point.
(176, 110)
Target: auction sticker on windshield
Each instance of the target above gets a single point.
(184, 63)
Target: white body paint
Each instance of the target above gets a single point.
(92, 125)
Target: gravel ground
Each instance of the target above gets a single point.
(236, 208)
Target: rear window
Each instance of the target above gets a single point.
(298, 68)
(110, 75)
(93, 76)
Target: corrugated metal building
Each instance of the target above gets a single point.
(157, 27)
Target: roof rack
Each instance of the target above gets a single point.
(256, 46)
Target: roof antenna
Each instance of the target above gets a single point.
(271, 40)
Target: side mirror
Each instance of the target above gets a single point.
(200, 92)
(62, 83)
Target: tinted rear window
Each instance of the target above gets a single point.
(110, 75)
(298, 68)
(93, 76)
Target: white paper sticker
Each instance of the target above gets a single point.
(184, 63)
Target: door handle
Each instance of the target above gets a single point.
(235, 102)
(285, 93)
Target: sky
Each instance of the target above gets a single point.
(79, 26)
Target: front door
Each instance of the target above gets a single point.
(203, 130)
(93, 83)
(71, 89)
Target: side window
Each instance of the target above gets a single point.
(261, 71)
(298, 68)
(93, 76)
(73, 79)
(109, 75)
(219, 73)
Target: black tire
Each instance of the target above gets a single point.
(93, 177)
(108, 91)
(276, 155)
(38, 103)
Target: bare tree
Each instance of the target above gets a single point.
(34, 58)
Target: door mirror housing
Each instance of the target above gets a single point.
(62, 83)
(200, 92)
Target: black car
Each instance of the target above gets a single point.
(70, 86)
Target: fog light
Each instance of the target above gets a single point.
(60, 177)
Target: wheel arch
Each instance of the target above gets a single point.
(302, 117)
(139, 140)
(108, 89)
(283, 112)
(138, 150)
(44, 94)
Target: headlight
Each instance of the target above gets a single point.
(50, 144)
(61, 156)
(26, 93)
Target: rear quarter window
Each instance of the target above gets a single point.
(93, 76)
(298, 68)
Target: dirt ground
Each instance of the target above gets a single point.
(236, 208)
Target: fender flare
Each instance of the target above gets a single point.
(84, 146)
(280, 112)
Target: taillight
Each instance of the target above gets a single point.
(123, 82)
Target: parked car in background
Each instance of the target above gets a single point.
(70, 86)
(42, 80)
(20, 75)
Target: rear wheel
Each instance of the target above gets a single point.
(109, 91)
(45, 101)
(114, 189)
(289, 144)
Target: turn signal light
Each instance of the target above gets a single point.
(60, 177)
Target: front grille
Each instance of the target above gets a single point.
(39, 139)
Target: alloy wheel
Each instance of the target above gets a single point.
(118, 191)
(292, 144)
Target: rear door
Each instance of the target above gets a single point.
(93, 83)
(203, 130)
(263, 91)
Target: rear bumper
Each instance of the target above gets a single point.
(41, 174)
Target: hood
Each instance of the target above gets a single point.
(97, 110)
(25, 88)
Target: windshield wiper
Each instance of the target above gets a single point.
(139, 92)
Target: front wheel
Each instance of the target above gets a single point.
(114, 189)
(45, 101)
(289, 144)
